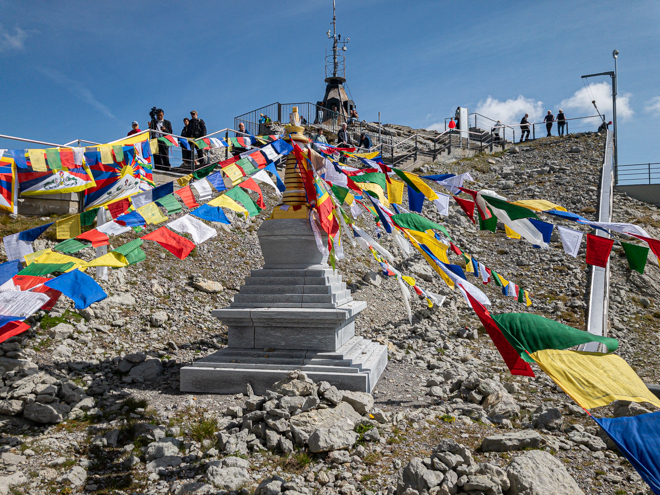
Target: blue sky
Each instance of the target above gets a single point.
(87, 69)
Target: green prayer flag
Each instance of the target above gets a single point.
(636, 256)
(413, 221)
(41, 269)
(203, 172)
(405, 179)
(170, 203)
(247, 166)
(496, 278)
(490, 224)
(238, 194)
(340, 193)
(528, 332)
(70, 246)
(53, 156)
(515, 212)
(88, 217)
(132, 251)
(136, 256)
(372, 178)
(119, 152)
(521, 295)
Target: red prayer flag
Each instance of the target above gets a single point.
(66, 157)
(512, 359)
(27, 282)
(11, 329)
(455, 249)
(253, 186)
(97, 238)
(598, 250)
(119, 207)
(229, 161)
(654, 244)
(171, 139)
(186, 195)
(178, 245)
(467, 206)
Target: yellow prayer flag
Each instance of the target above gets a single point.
(29, 258)
(368, 156)
(38, 160)
(68, 227)
(421, 185)
(511, 234)
(538, 205)
(348, 200)
(53, 257)
(106, 154)
(410, 280)
(377, 190)
(395, 191)
(152, 214)
(438, 270)
(153, 144)
(528, 301)
(234, 173)
(439, 249)
(111, 259)
(593, 379)
(183, 181)
(134, 139)
(227, 202)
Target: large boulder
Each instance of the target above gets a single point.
(328, 439)
(502, 404)
(46, 413)
(147, 371)
(362, 402)
(303, 425)
(227, 477)
(416, 476)
(165, 447)
(549, 418)
(538, 473)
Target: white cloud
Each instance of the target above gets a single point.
(14, 41)
(77, 89)
(653, 105)
(511, 111)
(580, 103)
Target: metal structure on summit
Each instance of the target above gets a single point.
(336, 97)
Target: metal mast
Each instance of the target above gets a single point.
(334, 43)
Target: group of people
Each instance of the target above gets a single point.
(343, 140)
(549, 119)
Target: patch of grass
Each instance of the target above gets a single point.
(43, 345)
(447, 418)
(368, 477)
(48, 322)
(302, 459)
(204, 429)
(372, 458)
(134, 404)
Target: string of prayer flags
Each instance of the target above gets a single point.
(79, 287)
(529, 333)
(198, 230)
(637, 439)
(177, 245)
(598, 250)
(9, 269)
(151, 214)
(98, 239)
(11, 329)
(243, 198)
(636, 256)
(570, 239)
(170, 203)
(68, 227)
(516, 365)
(70, 246)
(467, 206)
(203, 188)
(187, 197)
(593, 379)
(119, 207)
(415, 200)
(211, 214)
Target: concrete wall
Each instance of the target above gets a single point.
(60, 204)
(649, 193)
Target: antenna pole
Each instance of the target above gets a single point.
(335, 64)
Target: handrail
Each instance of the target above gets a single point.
(540, 123)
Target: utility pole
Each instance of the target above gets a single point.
(612, 74)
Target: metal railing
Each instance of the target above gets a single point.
(310, 113)
(638, 173)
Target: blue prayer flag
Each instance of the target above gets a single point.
(211, 213)
(32, 234)
(217, 181)
(456, 269)
(271, 168)
(384, 220)
(282, 147)
(4, 319)
(184, 143)
(438, 176)
(132, 219)
(19, 158)
(415, 200)
(566, 214)
(162, 191)
(78, 286)
(9, 269)
(544, 228)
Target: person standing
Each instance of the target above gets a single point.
(343, 140)
(524, 128)
(365, 141)
(549, 119)
(496, 131)
(196, 130)
(186, 155)
(561, 122)
(452, 124)
(160, 125)
(135, 128)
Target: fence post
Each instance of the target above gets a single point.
(279, 112)
(435, 146)
(567, 127)
(617, 174)
(416, 149)
(227, 148)
(449, 147)
(491, 141)
(533, 131)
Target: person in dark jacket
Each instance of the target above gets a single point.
(524, 128)
(549, 119)
(561, 122)
(196, 130)
(365, 141)
(186, 155)
(343, 140)
(158, 123)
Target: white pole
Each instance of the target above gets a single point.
(101, 271)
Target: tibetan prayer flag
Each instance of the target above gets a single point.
(198, 230)
(88, 217)
(170, 203)
(413, 221)
(538, 205)
(70, 246)
(242, 197)
(211, 214)
(41, 269)
(636, 256)
(38, 160)
(278, 180)
(142, 199)
(68, 227)
(217, 181)
(234, 173)
(98, 239)
(113, 228)
(510, 233)
(467, 206)
(15, 248)
(282, 147)
(489, 224)
(118, 151)
(512, 358)
(253, 186)
(153, 146)
(177, 245)
(654, 244)
(9, 269)
(48, 256)
(227, 202)
(132, 251)
(637, 439)
(544, 228)
(203, 188)
(341, 193)
(169, 140)
(111, 260)
(203, 172)
(119, 207)
(184, 143)
(151, 214)
(11, 329)
(162, 191)
(529, 333)
(33, 234)
(593, 379)
(203, 144)
(598, 250)
(187, 197)
(106, 154)
(395, 191)
(132, 219)
(514, 211)
(78, 286)
(54, 161)
(442, 204)
(415, 200)
(570, 239)
(416, 183)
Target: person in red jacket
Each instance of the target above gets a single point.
(452, 124)
(135, 129)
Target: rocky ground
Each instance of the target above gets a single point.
(89, 399)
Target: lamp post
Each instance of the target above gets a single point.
(612, 74)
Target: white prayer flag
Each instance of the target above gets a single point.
(198, 230)
(570, 239)
(623, 228)
(442, 204)
(142, 199)
(15, 248)
(263, 176)
(203, 188)
(270, 153)
(113, 228)
(22, 303)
